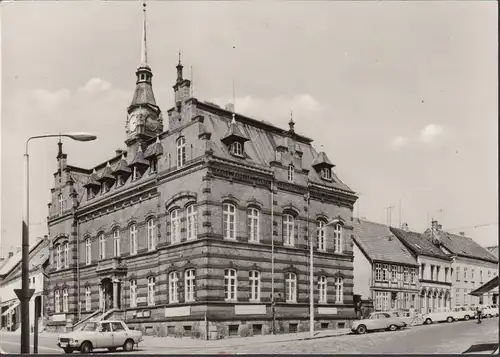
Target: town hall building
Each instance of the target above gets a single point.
(201, 227)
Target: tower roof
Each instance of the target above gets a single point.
(322, 160)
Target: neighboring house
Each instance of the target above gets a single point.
(435, 274)
(384, 270)
(10, 279)
(493, 250)
(178, 227)
(473, 265)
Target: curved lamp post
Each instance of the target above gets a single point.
(24, 294)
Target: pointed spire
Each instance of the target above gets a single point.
(60, 152)
(144, 50)
(179, 69)
(291, 123)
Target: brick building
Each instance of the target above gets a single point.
(183, 226)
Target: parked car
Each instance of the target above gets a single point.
(403, 315)
(100, 334)
(440, 315)
(463, 313)
(378, 321)
(490, 311)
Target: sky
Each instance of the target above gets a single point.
(402, 96)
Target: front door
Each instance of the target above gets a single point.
(105, 336)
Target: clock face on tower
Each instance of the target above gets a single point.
(132, 125)
(151, 123)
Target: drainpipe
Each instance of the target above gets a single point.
(78, 269)
(272, 253)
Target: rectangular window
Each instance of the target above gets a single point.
(405, 275)
(65, 300)
(394, 273)
(378, 272)
(151, 291)
(192, 222)
(88, 251)
(253, 225)
(337, 238)
(230, 285)
(320, 235)
(189, 277)
(291, 287)
(254, 277)
(322, 289)
(288, 230)
(385, 272)
(175, 222)
(173, 281)
(133, 293)
(413, 276)
(88, 298)
(133, 239)
(57, 302)
(116, 242)
(339, 290)
(465, 274)
(151, 235)
(422, 271)
(229, 221)
(458, 273)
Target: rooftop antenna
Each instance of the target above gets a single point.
(192, 82)
(144, 52)
(234, 96)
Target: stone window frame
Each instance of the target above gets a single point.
(151, 290)
(236, 149)
(175, 224)
(101, 242)
(226, 220)
(133, 293)
(253, 227)
(291, 280)
(88, 298)
(133, 238)
(88, 250)
(190, 282)
(65, 300)
(338, 239)
(150, 233)
(291, 173)
(288, 219)
(181, 152)
(321, 236)
(173, 287)
(57, 301)
(322, 289)
(116, 242)
(191, 221)
(60, 199)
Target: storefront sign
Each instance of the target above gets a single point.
(250, 309)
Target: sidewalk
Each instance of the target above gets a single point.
(187, 342)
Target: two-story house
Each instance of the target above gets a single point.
(435, 273)
(472, 264)
(384, 270)
(10, 279)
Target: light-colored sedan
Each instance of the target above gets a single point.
(378, 321)
(463, 313)
(440, 315)
(100, 334)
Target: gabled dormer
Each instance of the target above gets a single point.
(107, 179)
(323, 166)
(153, 152)
(121, 171)
(138, 165)
(93, 186)
(235, 139)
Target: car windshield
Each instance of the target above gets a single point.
(90, 326)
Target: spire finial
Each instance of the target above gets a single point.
(59, 144)
(233, 120)
(291, 123)
(179, 69)
(180, 56)
(144, 52)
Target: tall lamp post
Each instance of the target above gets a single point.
(25, 293)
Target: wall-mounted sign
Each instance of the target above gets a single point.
(142, 300)
(177, 311)
(250, 309)
(327, 311)
(59, 317)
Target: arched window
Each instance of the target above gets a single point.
(237, 149)
(229, 221)
(102, 247)
(230, 285)
(151, 234)
(189, 280)
(339, 290)
(321, 233)
(66, 254)
(59, 257)
(192, 222)
(57, 302)
(291, 171)
(175, 223)
(133, 293)
(116, 242)
(88, 251)
(337, 238)
(173, 283)
(133, 239)
(151, 291)
(181, 152)
(254, 277)
(65, 300)
(88, 298)
(61, 203)
(291, 287)
(288, 230)
(253, 225)
(322, 289)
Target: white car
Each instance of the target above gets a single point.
(490, 310)
(384, 320)
(441, 315)
(463, 313)
(100, 334)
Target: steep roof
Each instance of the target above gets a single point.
(143, 94)
(261, 147)
(380, 244)
(462, 245)
(15, 260)
(322, 159)
(419, 244)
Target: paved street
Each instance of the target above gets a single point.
(438, 338)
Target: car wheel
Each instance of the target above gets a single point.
(68, 350)
(428, 321)
(361, 329)
(128, 346)
(450, 319)
(86, 347)
(393, 328)
(466, 317)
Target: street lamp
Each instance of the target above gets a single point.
(24, 294)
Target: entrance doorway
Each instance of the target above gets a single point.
(108, 289)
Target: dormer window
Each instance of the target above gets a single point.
(135, 173)
(237, 149)
(153, 166)
(326, 173)
(290, 173)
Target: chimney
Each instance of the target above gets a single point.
(435, 225)
(11, 254)
(462, 234)
(230, 107)
(404, 227)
